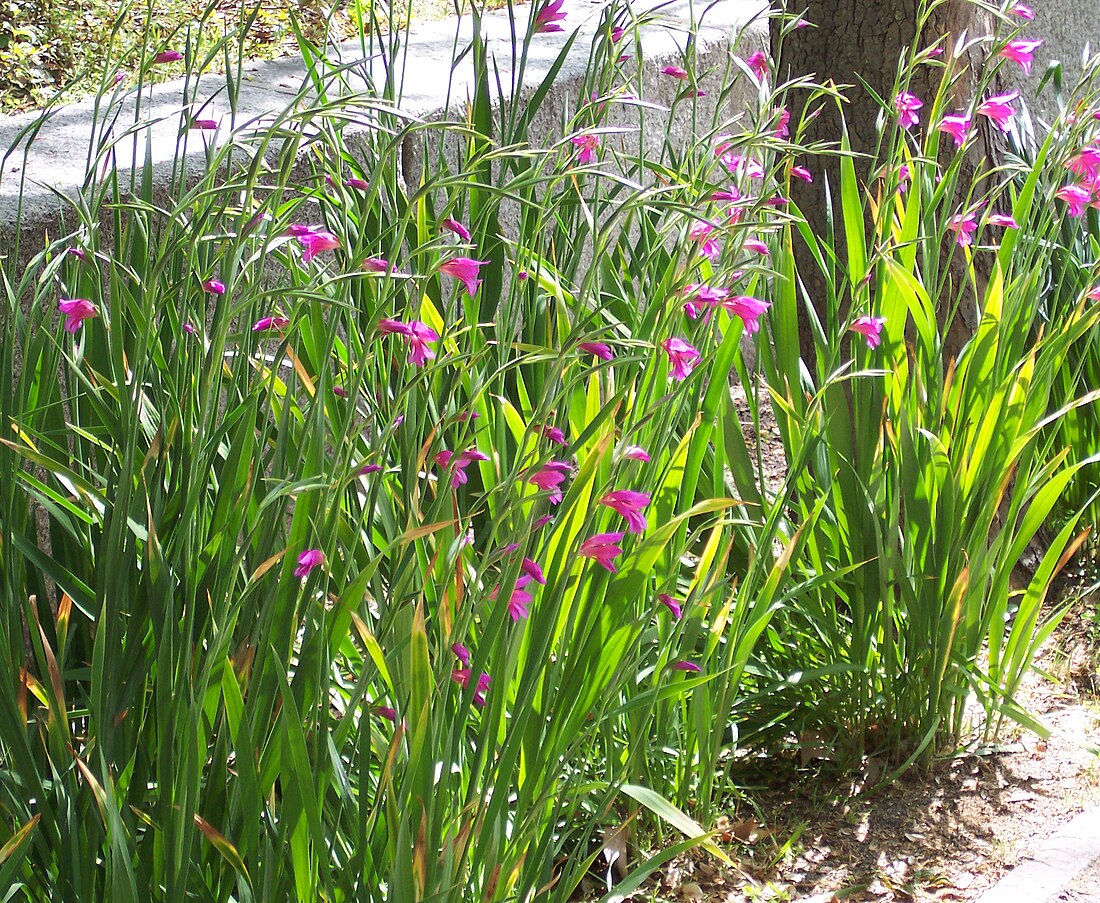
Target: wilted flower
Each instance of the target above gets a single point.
(671, 604)
(549, 477)
(547, 18)
(307, 561)
(268, 323)
(588, 145)
(998, 109)
(870, 328)
(76, 311)
(600, 349)
(629, 505)
(746, 307)
(602, 547)
(682, 356)
(1021, 51)
(907, 106)
(958, 127)
(464, 269)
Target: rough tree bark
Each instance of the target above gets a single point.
(863, 38)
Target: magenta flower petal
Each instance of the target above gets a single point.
(758, 65)
(908, 106)
(1077, 196)
(1022, 52)
(870, 328)
(265, 324)
(547, 18)
(453, 225)
(600, 349)
(462, 653)
(964, 225)
(588, 145)
(629, 505)
(315, 243)
(167, 56)
(1001, 219)
(999, 110)
(748, 309)
(603, 548)
(684, 665)
(357, 184)
(307, 561)
(76, 311)
(673, 605)
(957, 126)
(553, 433)
(464, 269)
(549, 478)
(635, 453)
(1023, 11)
(214, 287)
(675, 72)
(532, 570)
(682, 356)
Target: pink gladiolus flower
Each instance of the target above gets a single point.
(958, 127)
(542, 521)
(384, 711)
(964, 225)
(418, 338)
(464, 269)
(723, 194)
(307, 561)
(78, 253)
(457, 228)
(392, 327)
(870, 328)
(214, 287)
(1077, 196)
(265, 324)
(738, 164)
(1023, 11)
(1085, 164)
(617, 34)
(1093, 294)
(602, 547)
(553, 433)
(907, 106)
(629, 505)
(783, 129)
(314, 243)
(518, 601)
(547, 18)
(600, 349)
(549, 478)
(684, 665)
(682, 356)
(587, 145)
(368, 469)
(1001, 219)
(461, 653)
(635, 453)
(167, 56)
(188, 328)
(204, 124)
(532, 570)
(999, 109)
(464, 460)
(76, 311)
(357, 184)
(376, 265)
(675, 72)
(700, 234)
(339, 391)
(461, 676)
(749, 309)
(801, 172)
(1021, 51)
(672, 605)
(756, 246)
(758, 65)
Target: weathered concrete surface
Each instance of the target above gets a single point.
(56, 161)
(1066, 28)
(1072, 852)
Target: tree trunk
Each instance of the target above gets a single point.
(849, 40)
